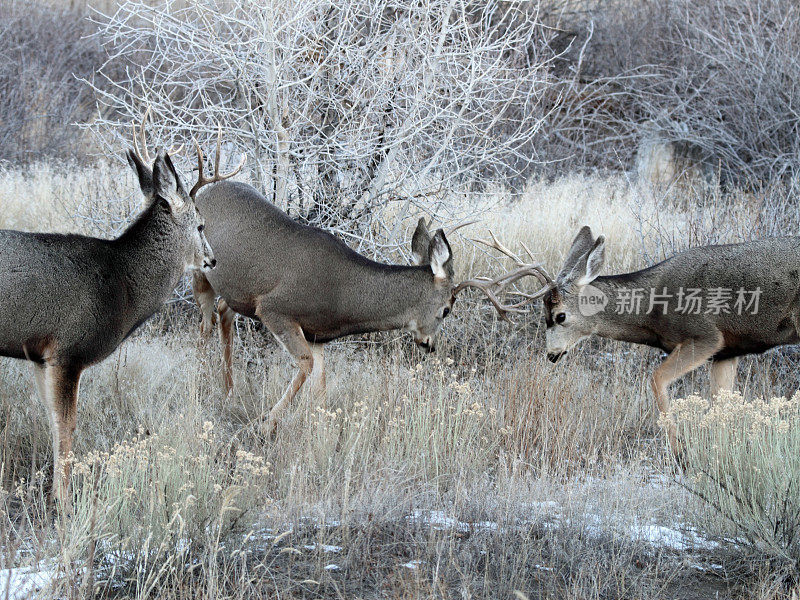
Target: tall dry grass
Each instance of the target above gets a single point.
(485, 468)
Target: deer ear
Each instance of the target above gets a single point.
(441, 256)
(143, 173)
(594, 261)
(588, 267)
(580, 246)
(420, 243)
(167, 183)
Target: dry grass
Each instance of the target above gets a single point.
(476, 473)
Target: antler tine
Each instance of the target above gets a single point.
(201, 178)
(495, 243)
(219, 150)
(486, 287)
(173, 151)
(528, 250)
(140, 140)
(536, 271)
(455, 228)
(141, 152)
(494, 287)
(217, 176)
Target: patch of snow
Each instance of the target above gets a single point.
(412, 564)
(22, 583)
(659, 535)
(331, 567)
(323, 547)
(438, 520)
(546, 506)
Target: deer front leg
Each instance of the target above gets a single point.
(290, 336)
(686, 357)
(318, 377)
(204, 296)
(58, 387)
(723, 375)
(226, 318)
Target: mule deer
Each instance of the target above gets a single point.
(308, 287)
(68, 301)
(713, 303)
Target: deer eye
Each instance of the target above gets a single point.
(445, 312)
(561, 317)
(200, 228)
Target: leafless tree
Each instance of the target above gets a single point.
(344, 109)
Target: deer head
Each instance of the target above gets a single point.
(566, 324)
(163, 190)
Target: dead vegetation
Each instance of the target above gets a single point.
(483, 472)
(479, 471)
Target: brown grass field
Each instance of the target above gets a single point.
(481, 472)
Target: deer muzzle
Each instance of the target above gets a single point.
(427, 345)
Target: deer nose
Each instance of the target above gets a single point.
(427, 346)
(213, 262)
(554, 356)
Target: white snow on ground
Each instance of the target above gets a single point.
(438, 520)
(656, 535)
(666, 537)
(642, 507)
(22, 583)
(323, 547)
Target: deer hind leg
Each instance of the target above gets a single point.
(226, 318)
(204, 296)
(685, 358)
(318, 376)
(58, 388)
(723, 375)
(290, 336)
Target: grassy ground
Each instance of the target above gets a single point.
(482, 472)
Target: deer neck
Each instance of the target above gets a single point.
(384, 297)
(619, 320)
(149, 261)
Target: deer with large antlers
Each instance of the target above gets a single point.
(68, 301)
(308, 287)
(705, 305)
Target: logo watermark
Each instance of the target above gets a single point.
(591, 301)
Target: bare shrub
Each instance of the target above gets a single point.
(717, 78)
(343, 109)
(724, 73)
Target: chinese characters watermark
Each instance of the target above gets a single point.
(687, 301)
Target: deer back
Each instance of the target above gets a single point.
(748, 293)
(265, 258)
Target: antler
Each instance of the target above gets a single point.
(494, 287)
(455, 228)
(142, 153)
(201, 179)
